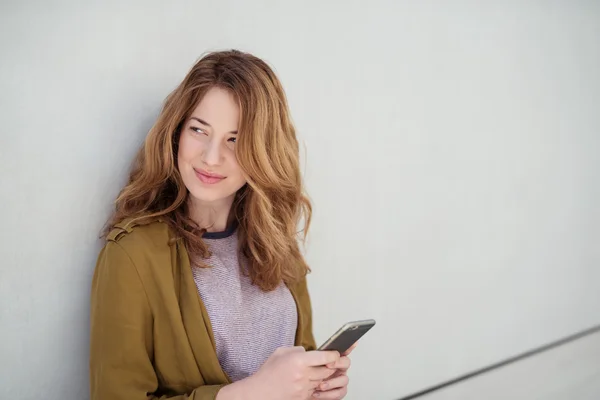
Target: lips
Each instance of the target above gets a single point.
(209, 178)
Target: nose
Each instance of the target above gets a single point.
(212, 153)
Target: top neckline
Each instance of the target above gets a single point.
(222, 234)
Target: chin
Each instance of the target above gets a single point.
(210, 196)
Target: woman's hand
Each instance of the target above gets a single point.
(336, 387)
(292, 373)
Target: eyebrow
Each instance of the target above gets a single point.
(203, 122)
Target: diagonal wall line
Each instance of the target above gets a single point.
(503, 363)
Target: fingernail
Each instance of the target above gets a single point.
(324, 385)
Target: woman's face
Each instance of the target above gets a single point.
(206, 157)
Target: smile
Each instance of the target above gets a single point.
(208, 178)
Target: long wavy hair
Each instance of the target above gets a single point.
(268, 209)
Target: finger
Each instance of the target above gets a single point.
(347, 352)
(316, 358)
(334, 394)
(342, 363)
(314, 385)
(339, 372)
(334, 383)
(293, 349)
(320, 373)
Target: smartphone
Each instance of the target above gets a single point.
(347, 335)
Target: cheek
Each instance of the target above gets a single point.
(180, 157)
(238, 171)
(187, 150)
(181, 151)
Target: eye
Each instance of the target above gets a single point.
(197, 130)
(232, 139)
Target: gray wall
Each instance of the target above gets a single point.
(568, 372)
(452, 153)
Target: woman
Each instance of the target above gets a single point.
(200, 290)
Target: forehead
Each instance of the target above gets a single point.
(219, 108)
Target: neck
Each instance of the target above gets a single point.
(214, 216)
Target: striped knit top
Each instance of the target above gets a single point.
(248, 324)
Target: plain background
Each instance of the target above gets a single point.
(452, 154)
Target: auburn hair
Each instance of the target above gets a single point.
(268, 209)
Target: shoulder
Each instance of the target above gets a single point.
(140, 239)
(139, 251)
(131, 232)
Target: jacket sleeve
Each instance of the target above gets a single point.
(121, 342)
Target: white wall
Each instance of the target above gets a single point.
(569, 372)
(452, 156)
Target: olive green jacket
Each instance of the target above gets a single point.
(151, 337)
